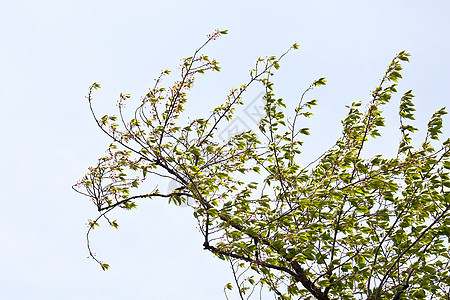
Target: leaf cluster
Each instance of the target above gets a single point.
(340, 227)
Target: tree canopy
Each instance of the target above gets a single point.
(340, 227)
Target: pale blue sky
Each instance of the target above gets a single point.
(51, 52)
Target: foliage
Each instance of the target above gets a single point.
(341, 227)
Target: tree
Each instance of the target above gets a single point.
(341, 227)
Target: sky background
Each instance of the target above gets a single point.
(52, 51)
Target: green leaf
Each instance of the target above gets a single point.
(276, 65)
(403, 56)
(93, 224)
(114, 224)
(304, 131)
(320, 81)
(323, 283)
(213, 212)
